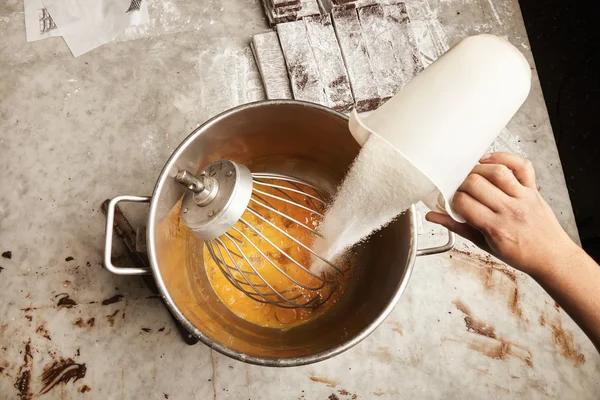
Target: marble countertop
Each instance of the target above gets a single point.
(75, 131)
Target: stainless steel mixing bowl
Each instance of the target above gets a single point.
(300, 139)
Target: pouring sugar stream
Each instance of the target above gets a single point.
(422, 143)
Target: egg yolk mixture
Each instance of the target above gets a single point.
(242, 246)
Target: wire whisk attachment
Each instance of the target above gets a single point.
(264, 247)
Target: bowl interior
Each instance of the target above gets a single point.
(297, 139)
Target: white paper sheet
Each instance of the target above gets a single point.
(38, 23)
(87, 24)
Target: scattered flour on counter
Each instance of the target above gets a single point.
(228, 77)
(379, 186)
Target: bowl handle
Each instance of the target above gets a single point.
(439, 249)
(110, 217)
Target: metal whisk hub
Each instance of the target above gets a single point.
(216, 198)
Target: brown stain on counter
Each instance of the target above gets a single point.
(61, 371)
(495, 276)
(5, 365)
(114, 299)
(351, 396)
(23, 384)
(23, 381)
(475, 325)
(398, 328)
(326, 381)
(84, 389)
(488, 343)
(111, 318)
(65, 301)
(564, 342)
(80, 323)
(42, 331)
(382, 354)
(483, 371)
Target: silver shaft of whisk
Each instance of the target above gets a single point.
(204, 187)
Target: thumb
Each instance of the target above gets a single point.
(464, 230)
(445, 220)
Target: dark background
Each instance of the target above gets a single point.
(564, 38)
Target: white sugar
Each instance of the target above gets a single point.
(379, 186)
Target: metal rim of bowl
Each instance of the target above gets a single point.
(262, 361)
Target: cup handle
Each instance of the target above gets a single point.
(110, 218)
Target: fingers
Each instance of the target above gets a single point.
(484, 192)
(521, 167)
(464, 230)
(501, 177)
(474, 212)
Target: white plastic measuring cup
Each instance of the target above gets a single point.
(445, 119)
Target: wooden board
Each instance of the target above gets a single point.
(285, 3)
(379, 39)
(301, 64)
(405, 43)
(391, 46)
(309, 7)
(271, 65)
(332, 71)
(356, 57)
(289, 12)
(287, 9)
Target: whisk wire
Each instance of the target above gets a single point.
(290, 202)
(287, 217)
(282, 252)
(220, 261)
(283, 189)
(274, 200)
(295, 241)
(253, 286)
(269, 175)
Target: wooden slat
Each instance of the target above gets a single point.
(300, 61)
(285, 3)
(356, 57)
(271, 65)
(290, 12)
(379, 38)
(332, 71)
(309, 8)
(405, 43)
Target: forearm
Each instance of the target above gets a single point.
(573, 280)
(504, 213)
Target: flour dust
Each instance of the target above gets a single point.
(379, 186)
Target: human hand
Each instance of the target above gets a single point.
(506, 216)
